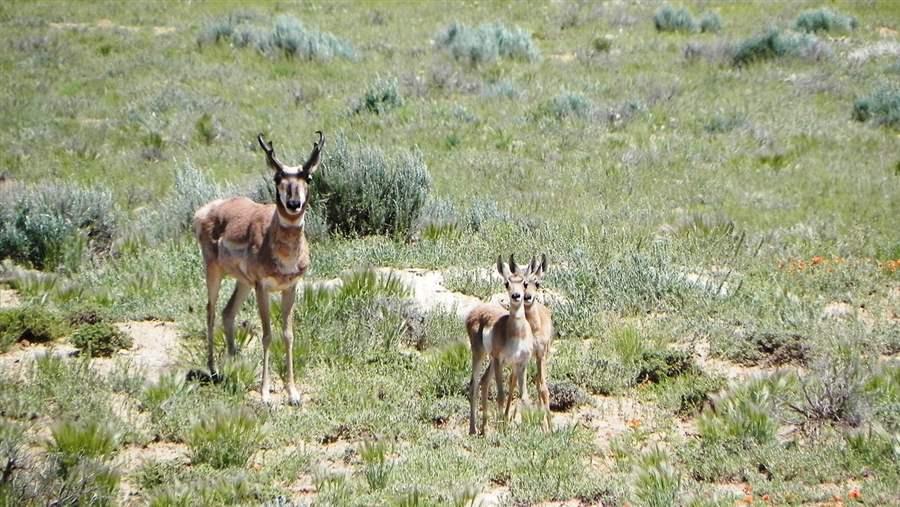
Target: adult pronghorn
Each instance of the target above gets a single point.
(263, 246)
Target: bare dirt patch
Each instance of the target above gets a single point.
(9, 298)
(154, 349)
(108, 24)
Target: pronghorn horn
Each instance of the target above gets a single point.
(274, 163)
(313, 163)
(543, 262)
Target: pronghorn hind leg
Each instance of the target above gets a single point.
(262, 301)
(543, 390)
(477, 369)
(485, 383)
(241, 291)
(287, 326)
(213, 283)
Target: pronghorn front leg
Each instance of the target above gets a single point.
(262, 300)
(213, 282)
(287, 326)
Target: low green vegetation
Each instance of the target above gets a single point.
(713, 183)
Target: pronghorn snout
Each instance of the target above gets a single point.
(516, 296)
(529, 298)
(294, 204)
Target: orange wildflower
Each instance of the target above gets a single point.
(766, 498)
(818, 259)
(854, 494)
(633, 423)
(748, 499)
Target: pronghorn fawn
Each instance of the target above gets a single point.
(264, 248)
(541, 322)
(504, 337)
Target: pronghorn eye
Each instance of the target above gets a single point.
(525, 285)
(507, 284)
(537, 285)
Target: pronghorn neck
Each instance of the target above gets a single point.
(286, 221)
(517, 325)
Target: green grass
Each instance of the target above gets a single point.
(701, 189)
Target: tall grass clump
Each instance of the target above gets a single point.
(487, 42)
(656, 482)
(824, 20)
(74, 441)
(287, 36)
(55, 225)
(380, 97)
(227, 437)
(882, 107)
(776, 44)
(672, 19)
(363, 191)
(744, 418)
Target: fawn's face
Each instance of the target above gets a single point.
(518, 288)
(292, 182)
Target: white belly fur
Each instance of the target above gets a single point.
(515, 351)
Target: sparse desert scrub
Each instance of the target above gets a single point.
(487, 42)
(380, 97)
(776, 44)
(679, 178)
(881, 107)
(100, 339)
(31, 323)
(56, 225)
(824, 20)
(363, 190)
(287, 36)
(672, 19)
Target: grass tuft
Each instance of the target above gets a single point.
(72, 441)
(226, 437)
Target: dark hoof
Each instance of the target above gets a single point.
(203, 377)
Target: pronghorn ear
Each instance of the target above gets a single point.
(502, 268)
(313, 162)
(513, 267)
(273, 162)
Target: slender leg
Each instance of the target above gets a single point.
(511, 394)
(498, 379)
(477, 370)
(287, 327)
(485, 386)
(262, 300)
(213, 282)
(521, 370)
(543, 390)
(241, 291)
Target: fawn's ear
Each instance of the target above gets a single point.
(502, 268)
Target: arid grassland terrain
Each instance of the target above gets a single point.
(716, 186)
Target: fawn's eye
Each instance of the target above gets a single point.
(507, 284)
(537, 285)
(525, 285)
